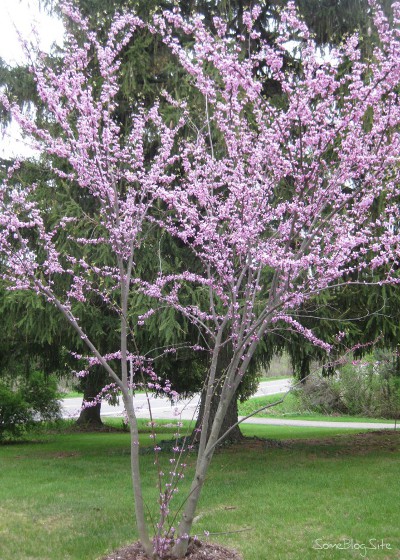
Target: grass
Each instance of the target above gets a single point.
(280, 366)
(275, 377)
(72, 395)
(291, 409)
(67, 496)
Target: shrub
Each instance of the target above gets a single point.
(318, 395)
(368, 387)
(35, 398)
(41, 394)
(371, 386)
(15, 414)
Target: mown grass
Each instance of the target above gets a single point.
(71, 395)
(67, 496)
(292, 409)
(268, 377)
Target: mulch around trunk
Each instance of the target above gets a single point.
(197, 551)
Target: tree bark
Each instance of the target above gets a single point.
(93, 384)
(231, 417)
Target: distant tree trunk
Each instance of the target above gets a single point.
(92, 386)
(304, 368)
(231, 416)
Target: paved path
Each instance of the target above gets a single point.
(323, 424)
(161, 407)
(187, 410)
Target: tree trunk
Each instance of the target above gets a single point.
(92, 385)
(231, 416)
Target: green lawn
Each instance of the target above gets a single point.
(291, 409)
(71, 395)
(68, 495)
(275, 377)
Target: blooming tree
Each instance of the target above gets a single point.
(281, 202)
(278, 201)
(91, 250)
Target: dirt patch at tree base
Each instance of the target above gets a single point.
(197, 550)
